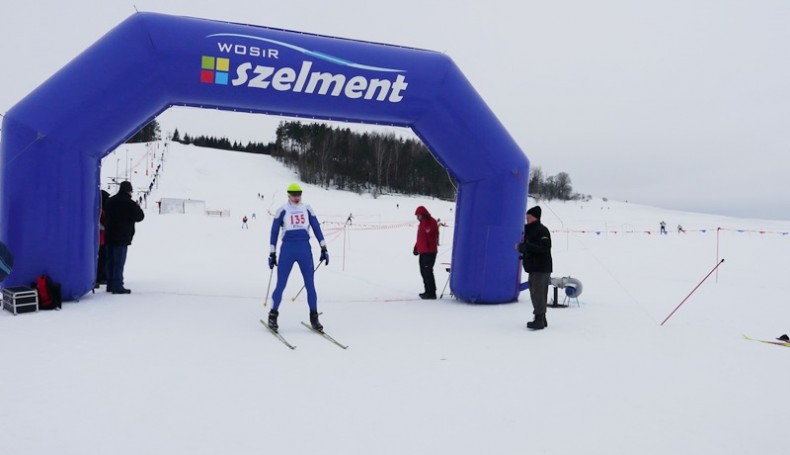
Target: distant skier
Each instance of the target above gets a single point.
(244, 223)
(350, 219)
(440, 224)
(680, 230)
(663, 227)
(295, 219)
(253, 215)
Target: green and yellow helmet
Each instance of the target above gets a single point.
(294, 189)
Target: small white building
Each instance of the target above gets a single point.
(183, 206)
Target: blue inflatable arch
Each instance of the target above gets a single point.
(54, 139)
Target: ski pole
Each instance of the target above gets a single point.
(300, 290)
(269, 286)
(445, 287)
(445, 283)
(693, 290)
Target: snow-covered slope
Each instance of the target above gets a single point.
(182, 365)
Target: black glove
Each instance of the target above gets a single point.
(415, 252)
(324, 255)
(272, 260)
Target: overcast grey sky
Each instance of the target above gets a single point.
(680, 104)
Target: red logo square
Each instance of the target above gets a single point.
(207, 77)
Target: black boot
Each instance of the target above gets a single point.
(539, 323)
(314, 321)
(273, 319)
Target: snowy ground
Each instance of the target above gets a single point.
(182, 365)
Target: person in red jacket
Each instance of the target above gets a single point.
(426, 247)
(101, 268)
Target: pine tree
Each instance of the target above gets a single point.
(149, 133)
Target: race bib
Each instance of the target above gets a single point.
(296, 219)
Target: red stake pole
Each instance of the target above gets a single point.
(693, 290)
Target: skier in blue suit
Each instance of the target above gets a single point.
(295, 219)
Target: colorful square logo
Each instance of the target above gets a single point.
(214, 70)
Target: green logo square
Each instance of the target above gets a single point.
(208, 63)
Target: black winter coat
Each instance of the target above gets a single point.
(536, 248)
(121, 212)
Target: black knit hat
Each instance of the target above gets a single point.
(126, 187)
(534, 211)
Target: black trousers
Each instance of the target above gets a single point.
(116, 261)
(539, 291)
(101, 266)
(427, 260)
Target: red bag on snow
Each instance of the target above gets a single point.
(49, 297)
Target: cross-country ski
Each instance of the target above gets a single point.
(277, 335)
(325, 335)
(777, 343)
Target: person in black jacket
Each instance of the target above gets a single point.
(121, 213)
(535, 251)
